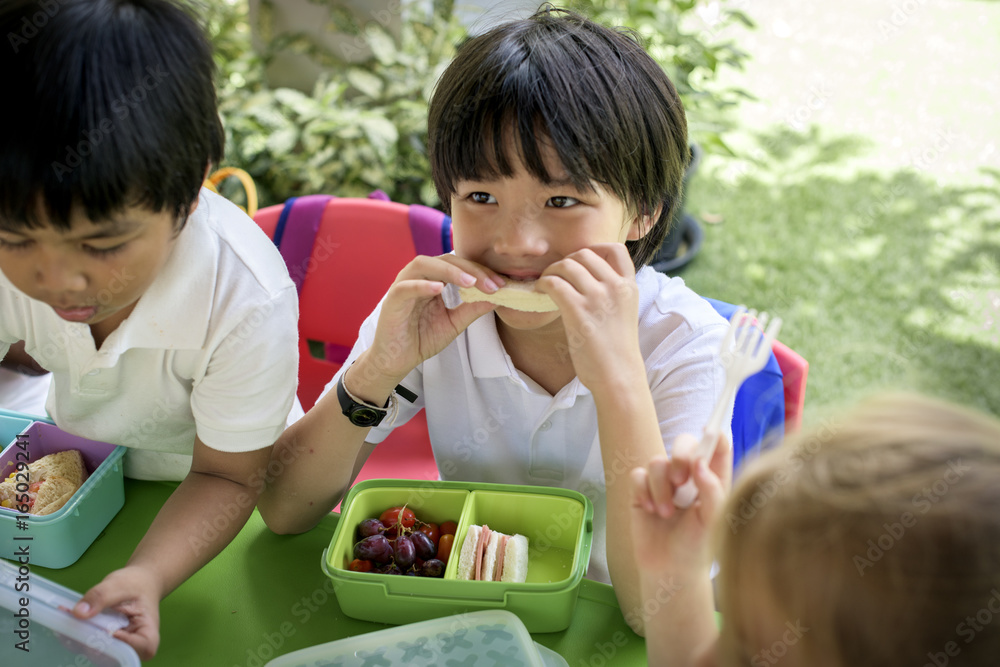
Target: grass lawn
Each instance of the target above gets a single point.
(865, 208)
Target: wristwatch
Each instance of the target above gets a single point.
(359, 412)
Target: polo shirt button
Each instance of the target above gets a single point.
(93, 373)
(546, 425)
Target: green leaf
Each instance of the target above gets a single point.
(283, 141)
(365, 82)
(381, 133)
(382, 44)
(303, 106)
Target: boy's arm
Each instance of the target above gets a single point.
(597, 293)
(316, 458)
(18, 360)
(198, 520)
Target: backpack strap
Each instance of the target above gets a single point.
(296, 233)
(430, 229)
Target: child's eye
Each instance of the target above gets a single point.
(103, 252)
(482, 198)
(562, 202)
(15, 245)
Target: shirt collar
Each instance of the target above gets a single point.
(489, 359)
(487, 356)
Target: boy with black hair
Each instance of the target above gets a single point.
(166, 317)
(558, 147)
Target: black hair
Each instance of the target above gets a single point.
(109, 103)
(591, 92)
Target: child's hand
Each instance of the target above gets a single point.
(598, 300)
(131, 591)
(671, 540)
(414, 323)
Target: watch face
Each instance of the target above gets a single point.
(363, 416)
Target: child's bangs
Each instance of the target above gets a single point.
(508, 137)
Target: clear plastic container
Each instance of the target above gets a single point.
(489, 637)
(36, 630)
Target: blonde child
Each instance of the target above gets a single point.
(557, 145)
(873, 540)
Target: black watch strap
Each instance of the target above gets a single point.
(360, 413)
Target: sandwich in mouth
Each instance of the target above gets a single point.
(515, 294)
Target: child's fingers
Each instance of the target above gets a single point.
(711, 492)
(641, 497)
(682, 458)
(451, 269)
(660, 488)
(722, 461)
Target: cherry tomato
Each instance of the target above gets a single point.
(431, 530)
(444, 547)
(359, 565)
(448, 528)
(403, 515)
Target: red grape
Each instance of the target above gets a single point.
(370, 527)
(375, 547)
(432, 568)
(424, 546)
(404, 552)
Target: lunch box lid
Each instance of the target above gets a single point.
(487, 637)
(35, 622)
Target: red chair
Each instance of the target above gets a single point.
(343, 254)
(794, 371)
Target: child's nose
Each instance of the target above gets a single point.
(521, 233)
(56, 273)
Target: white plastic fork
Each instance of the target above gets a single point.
(746, 348)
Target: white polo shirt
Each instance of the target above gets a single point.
(488, 422)
(210, 348)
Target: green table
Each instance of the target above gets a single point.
(265, 596)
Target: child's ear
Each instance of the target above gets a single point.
(641, 225)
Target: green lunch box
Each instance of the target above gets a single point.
(559, 525)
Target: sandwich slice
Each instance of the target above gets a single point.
(52, 481)
(489, 555)
(516, 294)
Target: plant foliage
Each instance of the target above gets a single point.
(363, 125)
